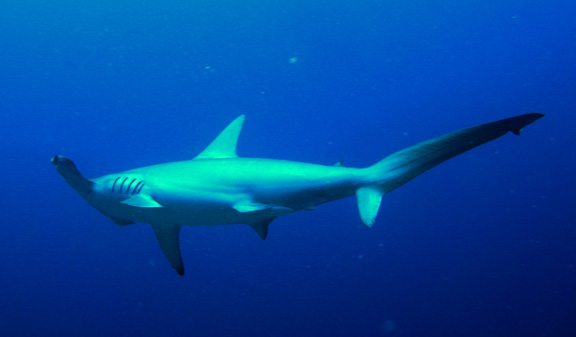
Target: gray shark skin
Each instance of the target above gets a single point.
(219, 188)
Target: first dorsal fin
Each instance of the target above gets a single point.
(224, 146)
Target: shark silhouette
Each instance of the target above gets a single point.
(219, 188)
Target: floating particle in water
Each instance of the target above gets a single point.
(388, 326)
(293, 60)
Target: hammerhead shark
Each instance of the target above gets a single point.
(219, 188)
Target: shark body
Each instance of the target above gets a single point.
(219, 188)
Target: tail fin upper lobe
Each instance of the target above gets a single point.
(405, 165)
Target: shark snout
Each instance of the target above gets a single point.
(66, 168)
(56, 159)
(61, 161)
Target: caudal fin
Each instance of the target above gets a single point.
(405, 165)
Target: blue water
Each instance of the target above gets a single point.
(483, 245)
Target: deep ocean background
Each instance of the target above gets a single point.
(483, 245)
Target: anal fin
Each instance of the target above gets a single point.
(369, 199)
(168, 237)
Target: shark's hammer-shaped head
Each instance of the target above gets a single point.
(67, 169)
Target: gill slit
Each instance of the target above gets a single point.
(114, 185)
(122, 185)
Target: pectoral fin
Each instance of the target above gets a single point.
(247, 207)
(121, 222)
(261, 227)
(169, 239)
(142, 200)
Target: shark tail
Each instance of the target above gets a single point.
(405, 165)
(67, 169)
